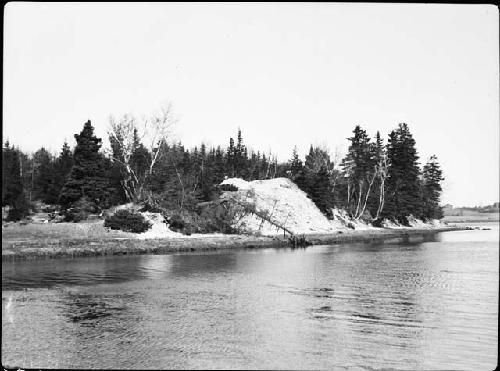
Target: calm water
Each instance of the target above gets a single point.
(432, 305)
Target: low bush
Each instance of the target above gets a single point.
(127, 221)
(219, 218)
(75, 215)
(176, 222)
(79, 210)
(212, 219)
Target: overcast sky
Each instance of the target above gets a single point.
(286, 74)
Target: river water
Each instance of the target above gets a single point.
(430, 305)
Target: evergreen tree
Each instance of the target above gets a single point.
(43, 176)
(61, 169)
(11, 176)
(230, 159)
(403, 183)
(295, 164)
(376, 203)
(321, 191)
(314, 179)
(87, 176)
(12, 187)
(360, 171)
(240, 158)
(431, 189)
(219, 165)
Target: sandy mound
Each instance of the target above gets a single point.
(159, 228)
(277, 202)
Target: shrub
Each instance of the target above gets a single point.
(79, 210)
(209, 220)
(127, 221)
(219, 219)
(75, 215)
(176, 222)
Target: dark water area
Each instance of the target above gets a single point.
(429, 305)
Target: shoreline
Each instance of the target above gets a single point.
(72, 247)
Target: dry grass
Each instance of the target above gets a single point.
(56, 231)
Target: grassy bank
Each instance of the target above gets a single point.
(45, 241)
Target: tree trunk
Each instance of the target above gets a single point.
(359, 198)
(366, 196)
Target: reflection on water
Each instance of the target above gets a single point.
(430, 305)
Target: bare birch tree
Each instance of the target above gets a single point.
(382, 173)
(127, 134)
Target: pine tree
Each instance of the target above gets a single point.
(240, 158)
(61, 169)
(359, 167)
(295, 164)
(321, 191)
(230, 159)
(11, 177)
(87, 177)
(219, 165)
(431, 189)
(43, 176)
(403, 183)
(12, 186)
(314, 179)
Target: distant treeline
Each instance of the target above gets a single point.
(374, 180)
(494, 208)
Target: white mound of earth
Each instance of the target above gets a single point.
(282, 202)
(159, 228)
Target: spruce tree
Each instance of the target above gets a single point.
(12, 186)
(295, 164)
(321, 191)
(359, 168)
(431, 189)
(403, 183)
(44, 176)
(87, 177)
(61, 169)
(219, 165)
(230, 159)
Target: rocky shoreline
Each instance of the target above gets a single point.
(14, 250)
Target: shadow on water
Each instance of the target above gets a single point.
(69, 272)
(199, 264)
(113, 269)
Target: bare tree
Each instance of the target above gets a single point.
(122, 139)
(382, 173)
(157, 130)
(125, 137)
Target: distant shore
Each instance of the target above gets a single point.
(474, 218)
(14, 249)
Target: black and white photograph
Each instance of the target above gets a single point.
(278, 186)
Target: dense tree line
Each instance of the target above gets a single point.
(373, 181)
